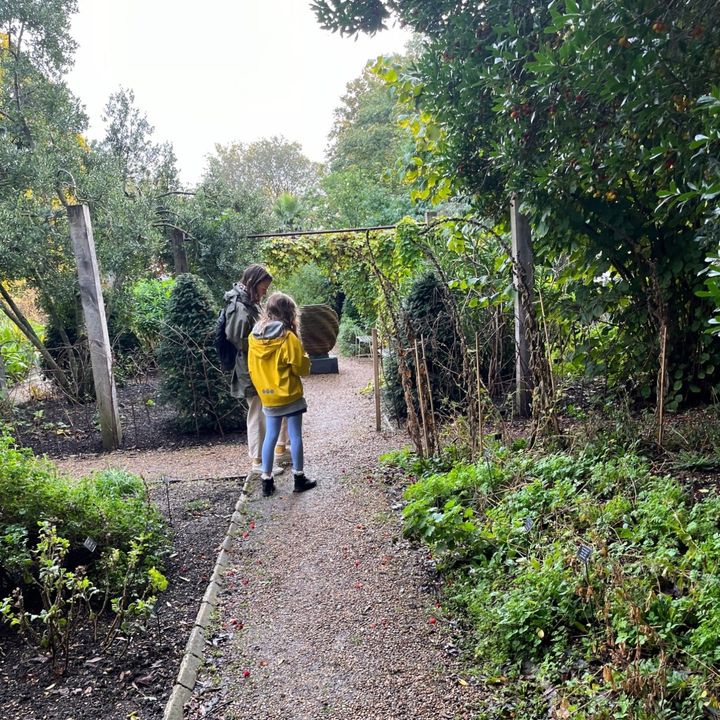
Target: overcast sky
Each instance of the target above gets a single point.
(219, 71)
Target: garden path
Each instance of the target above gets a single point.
(326, 611)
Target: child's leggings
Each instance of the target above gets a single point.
(272, 432)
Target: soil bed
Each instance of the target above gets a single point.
(52, 425)
(134, 677)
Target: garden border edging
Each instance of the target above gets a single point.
(195, 647)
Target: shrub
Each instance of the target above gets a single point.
(110, 507)
(308, 286)
(347, 337)
(150, 300)
(192, 380)
(430, 320)
(18, 354)
(628, 631)
(75, 548)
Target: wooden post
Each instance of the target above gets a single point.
(177, 242)
(376, 379)
(522, 276)
(3, 378)
(661, 384)
(421, 400)
(95, 324)
(478, 381)
(436, 439)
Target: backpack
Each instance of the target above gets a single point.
(226, 351)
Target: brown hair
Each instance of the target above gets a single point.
(283, 308)
(252, 277)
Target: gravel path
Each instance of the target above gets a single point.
(327, 612)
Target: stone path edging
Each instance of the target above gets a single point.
(194, 650)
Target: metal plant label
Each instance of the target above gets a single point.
(583, 554)
(90, 544)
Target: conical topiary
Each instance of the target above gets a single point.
(192, 380)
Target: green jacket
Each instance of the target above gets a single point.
(241, 314)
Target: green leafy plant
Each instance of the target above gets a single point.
(75, 549)
(192, 380)
(625, 628)
(18, 354)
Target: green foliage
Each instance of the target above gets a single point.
(191, 379)
(364, 186)
(110, 507)
(308, 285)
(427, 313)
(587, 110)
(149, 306)
(54, 581)
(630, 633)
(348, 334)
(68, 596)
(271, 166)
(18, 354)
(47, 165)
(218, 219)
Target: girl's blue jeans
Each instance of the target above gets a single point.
(272, 432)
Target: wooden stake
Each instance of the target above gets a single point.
(478, 380)
(421, 400)
(661, 389)
(523, 279)
(376, 378)
(436, 439)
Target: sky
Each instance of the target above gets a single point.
(219, 71)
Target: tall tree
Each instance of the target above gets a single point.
(272, 165)
(586, 107)
(366, 145)
(128, 138)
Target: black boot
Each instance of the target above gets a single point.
(302, 483)
(268, 486)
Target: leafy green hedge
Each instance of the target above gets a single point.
(110, 507)
(631, 632)
(73, 552)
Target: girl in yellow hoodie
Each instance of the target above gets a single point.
(277, 361)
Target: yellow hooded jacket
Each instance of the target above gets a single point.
(276, 361)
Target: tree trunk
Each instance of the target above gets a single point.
(13, 312)
(177, 243)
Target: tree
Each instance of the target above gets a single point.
(366, 146)
(192, 380)
(217, 219)
(272, 166)
(128, 137)
(288, 210)
(586, 109)
(41, 152)
(46, 164)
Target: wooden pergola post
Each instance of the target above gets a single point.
(95, 324)
(523, 278)
(376, 378)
